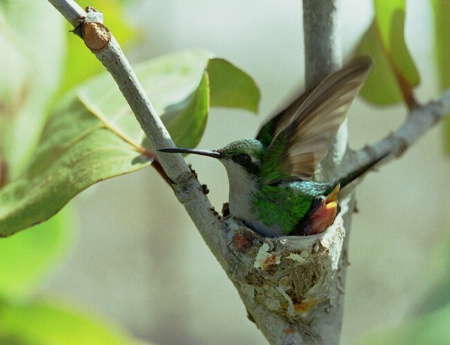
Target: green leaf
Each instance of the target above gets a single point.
(76, 150)
(176, 86)
(32, 53)
(394, 75)
(92, 135)
(230, 87)
(381, 86)
(52, 324)
(171, 79)
(186, 130)
(390, 16)
(27, 258)
(432, 328)
(441, 14)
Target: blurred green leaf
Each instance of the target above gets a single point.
(430, 329)
(52, 324)
(25, 259)
(92, 135)
(394, 75)
(381, 86)
(30, 68)
(441, 14)
(77, 150)
(390, 16)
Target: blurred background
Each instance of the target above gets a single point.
(138, 260)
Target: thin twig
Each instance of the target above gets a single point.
(70, 10)
(416, 124)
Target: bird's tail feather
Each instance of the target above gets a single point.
(343, 181)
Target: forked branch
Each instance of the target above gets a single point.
(291, 286)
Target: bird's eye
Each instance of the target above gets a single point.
(243, 159)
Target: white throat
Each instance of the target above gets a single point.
(241, 192)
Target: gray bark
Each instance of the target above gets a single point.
(292, 287)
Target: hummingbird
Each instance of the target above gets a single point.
(271, 188)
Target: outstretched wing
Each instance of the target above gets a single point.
(272, 127)
(299, 147)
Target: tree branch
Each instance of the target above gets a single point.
(287, 313)
(321, 23)
(323, 55)
(418, 122)
(188, 189)
(70, 10)
(291, 286)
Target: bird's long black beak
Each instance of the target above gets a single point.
(209, 153)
